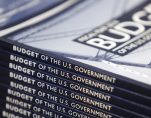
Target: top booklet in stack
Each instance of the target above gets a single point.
(113, 38)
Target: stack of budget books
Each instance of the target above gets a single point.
(75, 59)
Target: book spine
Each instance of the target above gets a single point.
(11, 105)
(104, 97)
(54, 102)
(71, 77)
(72, 98)
(77, 67)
